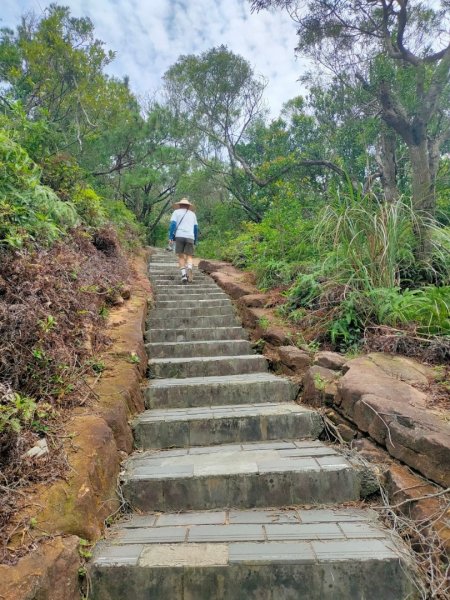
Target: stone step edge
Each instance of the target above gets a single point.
(193, 343)
(262, 377)
(204, 359)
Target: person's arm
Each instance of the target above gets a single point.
(195, 230)
(172, 228)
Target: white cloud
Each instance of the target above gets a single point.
(149, 35)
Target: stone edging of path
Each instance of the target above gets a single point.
(100, 436)
(373, 396)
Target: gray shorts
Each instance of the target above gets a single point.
(184, 246)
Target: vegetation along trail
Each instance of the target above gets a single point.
(323, 230)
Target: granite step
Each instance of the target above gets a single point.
(218, 391)
(195, 334)
(172, 270)
(186, 290)
(197, 349)
(266, 554)
(195, 322)
(169, 273)
(177, 283)
(190, 295)
(205, 426)
(206, 366)
(251, 475)
(197, 311)
(158, 280)
(198, 303)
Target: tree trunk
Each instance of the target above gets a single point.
(423, 197)
(388, 165)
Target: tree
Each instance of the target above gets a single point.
(219, 96)
(53, 67)
(399, 51)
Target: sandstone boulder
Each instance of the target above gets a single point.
(319, 386)
(297, 360)
(210, 266)
(330, 360)
(255, 300)
(50, 572)
(232, 285)
(392, 412)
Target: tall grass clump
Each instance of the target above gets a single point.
(367, 244)
(369, 275)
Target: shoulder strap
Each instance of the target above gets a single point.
(181, 220)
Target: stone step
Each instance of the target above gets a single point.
(196, 334)
(270, 554)
(186, 288)
(176, 277)
(182, 303)
(205, 366)
(191, 311)
(190, 295)
(273, 473)
(208, 348)
(171, 270)
(205, 426)
(194, 322)
(217, 391)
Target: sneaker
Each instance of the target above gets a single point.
(190, 276)
(184, 279)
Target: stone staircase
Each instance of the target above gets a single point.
(233, 496)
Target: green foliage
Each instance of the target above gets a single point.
(16, 411)
(90, 207)
(130, 232)
(29, 211)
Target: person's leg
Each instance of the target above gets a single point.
(189, 268)
(189, 251)
(180, 250)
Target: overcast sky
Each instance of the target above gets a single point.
(149, 35)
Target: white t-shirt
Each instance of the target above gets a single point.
(185, 221)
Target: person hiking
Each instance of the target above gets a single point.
(183, 230)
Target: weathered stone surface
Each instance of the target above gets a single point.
(344, 428)
(210, 266)
(204, 348)
(294, 358)
(234, 286)
(255, 300)
(308, 555)
(330, 360)
(206, 366)
(410, 491)
(195, 334)
(273, 473)
(252, 317)
(277, 336)
(225, 424)
(319, 386)
(50, 572)
(401, 367)
(393, 414)
(193, 322)
(80, 505)
(214, 391)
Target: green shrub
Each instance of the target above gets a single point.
(28, 210)
(89, 206)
